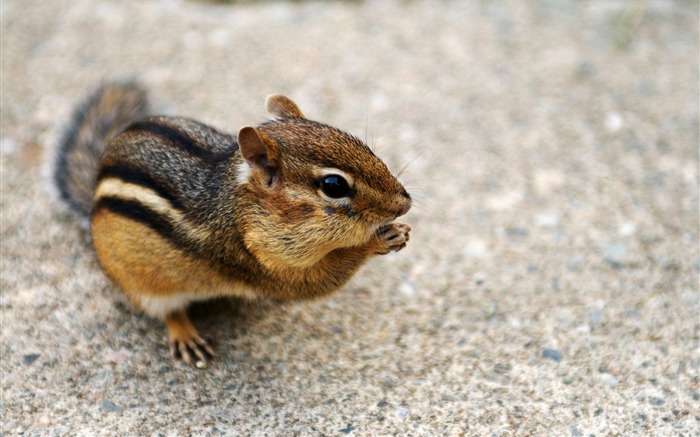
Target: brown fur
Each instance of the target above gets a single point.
(183, 212)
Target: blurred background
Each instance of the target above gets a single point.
(551, 282)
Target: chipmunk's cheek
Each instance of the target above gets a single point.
(345, 210)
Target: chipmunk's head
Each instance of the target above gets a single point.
(318, 188)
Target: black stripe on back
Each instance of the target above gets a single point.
(137, 176)
(175, 137)
(136, 211)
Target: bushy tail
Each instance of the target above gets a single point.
(95, 123)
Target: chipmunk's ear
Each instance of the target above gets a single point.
(260, 152)
(282, 106)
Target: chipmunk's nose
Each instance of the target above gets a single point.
(403, 211)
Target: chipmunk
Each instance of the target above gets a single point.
(181, 212)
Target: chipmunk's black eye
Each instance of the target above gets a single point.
(335, 186)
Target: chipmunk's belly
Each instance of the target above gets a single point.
(161, 306)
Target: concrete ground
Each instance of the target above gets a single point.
(550, 286)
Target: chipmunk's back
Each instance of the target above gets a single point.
(176, 158)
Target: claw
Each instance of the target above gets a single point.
(186, 343)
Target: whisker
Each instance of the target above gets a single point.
(418, 201)
(366, 121)
(406, 165)
(418, 206)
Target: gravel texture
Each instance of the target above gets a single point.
(550, 286)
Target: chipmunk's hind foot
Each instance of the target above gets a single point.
(186, 343)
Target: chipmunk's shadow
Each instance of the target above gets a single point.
(227, 318)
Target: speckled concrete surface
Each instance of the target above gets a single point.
(551, 283)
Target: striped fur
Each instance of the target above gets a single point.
(148, 206)
(164, 165)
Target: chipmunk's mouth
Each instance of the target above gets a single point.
(377, 227)
(374, 219)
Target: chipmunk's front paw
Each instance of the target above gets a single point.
(392, 237)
